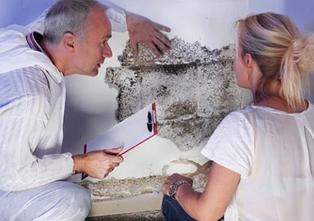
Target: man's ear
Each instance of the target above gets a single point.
(69, 42)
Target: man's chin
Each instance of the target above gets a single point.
(94, 73)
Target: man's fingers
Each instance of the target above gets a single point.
(162, 39)
(134, 48)
(155, 40)
(154, 49)
(161, 27)
(114, 150)
(161, 45)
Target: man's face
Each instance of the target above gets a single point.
(91, 52)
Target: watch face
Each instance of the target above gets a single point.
(172, 190)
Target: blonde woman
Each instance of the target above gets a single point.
(263, 156)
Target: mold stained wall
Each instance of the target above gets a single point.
(195, 26)
(92, 103)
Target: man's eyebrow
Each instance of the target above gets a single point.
(107, 36)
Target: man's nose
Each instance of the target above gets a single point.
(107, 53)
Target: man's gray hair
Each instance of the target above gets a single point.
(68, 16)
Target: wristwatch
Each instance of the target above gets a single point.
(174, 186)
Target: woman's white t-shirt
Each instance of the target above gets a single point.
(273, 151)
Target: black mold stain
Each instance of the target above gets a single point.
(194, 89)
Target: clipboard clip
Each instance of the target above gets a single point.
(150, 120)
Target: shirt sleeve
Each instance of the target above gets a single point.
(231, 145)
(23, 121)
(116, 15)
(118, 19)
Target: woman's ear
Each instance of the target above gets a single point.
(248, 61)
(248, 64)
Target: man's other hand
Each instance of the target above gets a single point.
(99, 163)
(143, 30)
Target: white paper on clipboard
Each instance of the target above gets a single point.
(129, 133)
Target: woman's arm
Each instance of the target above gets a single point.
(213, 202)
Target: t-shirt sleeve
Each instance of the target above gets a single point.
(232, 144)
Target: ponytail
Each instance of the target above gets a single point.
(281, 53)
(296, 64)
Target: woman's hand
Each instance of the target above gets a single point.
(173, 178)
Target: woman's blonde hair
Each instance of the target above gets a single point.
(280, 52)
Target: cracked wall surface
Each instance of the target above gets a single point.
(110, 189)
(194, 89)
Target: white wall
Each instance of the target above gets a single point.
(91, 103)
(21, 11)
(300, 11)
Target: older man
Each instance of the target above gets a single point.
(32, 101)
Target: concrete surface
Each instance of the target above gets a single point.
(141, 216)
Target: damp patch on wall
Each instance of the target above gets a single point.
(194, 89)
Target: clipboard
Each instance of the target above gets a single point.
(129, 133)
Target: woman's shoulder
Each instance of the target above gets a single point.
(242, 114)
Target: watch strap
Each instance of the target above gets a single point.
(175, 186)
